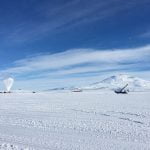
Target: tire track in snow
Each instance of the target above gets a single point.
(111, 114)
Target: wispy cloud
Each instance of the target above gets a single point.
(55, 18)
(79, 64)
(145, 34)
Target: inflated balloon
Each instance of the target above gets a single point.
(8, 83)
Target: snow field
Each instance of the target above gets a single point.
(77, 121)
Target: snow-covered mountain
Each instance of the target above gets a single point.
(118, 81)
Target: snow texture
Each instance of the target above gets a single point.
(88, 120)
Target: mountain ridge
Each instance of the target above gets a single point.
(117, 81)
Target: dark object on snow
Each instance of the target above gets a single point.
(6, 92)
(33, 92)
(122, 90)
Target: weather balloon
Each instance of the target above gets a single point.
(8, 83)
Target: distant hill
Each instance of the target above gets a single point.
(117, 81)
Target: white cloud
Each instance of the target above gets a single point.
(79, 56)
(54, 67)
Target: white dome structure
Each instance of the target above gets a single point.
(8, 83)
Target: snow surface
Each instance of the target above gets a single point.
(90, 120)
(118, 81)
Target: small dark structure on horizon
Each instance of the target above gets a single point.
(5, 92)
(122, 90)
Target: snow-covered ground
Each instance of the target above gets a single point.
(88, 120)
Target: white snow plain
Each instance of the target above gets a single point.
(64, 120)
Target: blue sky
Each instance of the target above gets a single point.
(46, 44)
